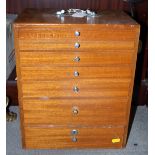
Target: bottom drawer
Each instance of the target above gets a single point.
(46, 138)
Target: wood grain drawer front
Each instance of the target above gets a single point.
(95, 45)
(67, 33)
(75, 58)
(85, 88)
(75, 111)
(65, 106)
(64, 137)
(57, 73)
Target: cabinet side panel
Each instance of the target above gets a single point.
(132, 84)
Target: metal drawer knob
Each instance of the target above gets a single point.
(75, 111)
(74, 139)
(77, 33)
(77, 45)
(75, 89)
(77, 59)
(74, 132)
(76, 73)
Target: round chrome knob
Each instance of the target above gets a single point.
(76, 73)
(75, 111)
(77, 59)
(77, 33)
(77, 45)
(75, 89)
(74, 132)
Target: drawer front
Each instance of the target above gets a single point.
(65, 137)
(63, 107)
(84, 112)
(44, 58)
(67, 33)
(56, 73)
(95, 45)
(77, 88)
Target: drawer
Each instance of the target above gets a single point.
(77, 88)
(63, 107)
(67, 33)
(82, 45)
(57, 73)
(43, 137)
(46, 58)
(105, 111)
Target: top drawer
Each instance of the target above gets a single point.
(74, 32)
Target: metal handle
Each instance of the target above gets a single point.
(74, 139)
(77, 45)
(76, 73)
(77, 59)
(74, 132)
(75, 110)
(77, 33)
(75, 89)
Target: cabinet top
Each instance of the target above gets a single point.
(48, 16)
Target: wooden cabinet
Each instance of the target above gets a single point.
(75, 78)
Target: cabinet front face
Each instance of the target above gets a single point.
(75, 84)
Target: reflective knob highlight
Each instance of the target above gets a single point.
(77, 45)
(75, 89)
(77, 33)
(76, 73)
(77, 59)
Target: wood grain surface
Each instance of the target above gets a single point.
(62, 137)
(60, 58)
(50, 108)
(57, 73)
(62, 33)
(60, 111)
(87, 88)
(63, 105)
(102, 45)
